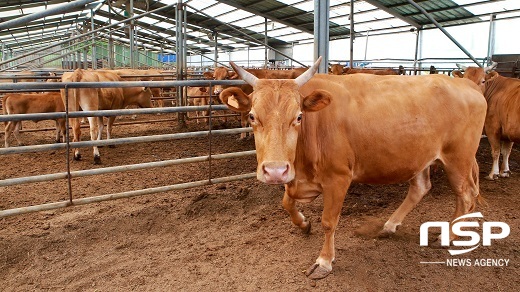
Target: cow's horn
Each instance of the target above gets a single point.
(490, 67)
(462, 67)
(246, 76)
(307, 75)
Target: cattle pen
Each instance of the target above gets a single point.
(68, 175)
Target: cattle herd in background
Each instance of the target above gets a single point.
(502, 94)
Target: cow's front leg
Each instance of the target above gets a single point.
(297, 218)
(333, 196)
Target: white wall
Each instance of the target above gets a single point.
(473, 37)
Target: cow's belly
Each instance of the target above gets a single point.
(388, 170)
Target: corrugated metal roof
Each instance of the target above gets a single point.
(240, 22)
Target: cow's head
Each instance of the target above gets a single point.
(475, 74)
(144, 97)
(276, 110)
(222, 73)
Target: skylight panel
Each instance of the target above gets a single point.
(282, 31)
(296, 37)
(488, 8)
(289, 2)
(255, 20)
(198, 4)
(234, 15)
(306, 6)
(218, 9)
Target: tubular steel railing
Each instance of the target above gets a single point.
(39, 86)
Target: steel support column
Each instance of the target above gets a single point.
(491, 38)
(94, 57)
(418, 52)
(266, 58)
(215, 45)
(321, 33)
(130, 11)
(352, 36)
(179, 15)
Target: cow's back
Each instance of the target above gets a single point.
(386, 128)
(33, 103)
(503, 96)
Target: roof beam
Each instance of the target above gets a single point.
(265, 15)
(38, 25)
(393, 13)
(63, 8)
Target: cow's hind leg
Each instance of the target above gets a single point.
(16, 132)
(94, 137)
(463, 178)
(419, 186)
(76, 133)
(494, 142)
(505, 149)
(110, 124)
(7, 133)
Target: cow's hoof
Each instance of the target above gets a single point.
(97, 160)
(316, 272)
(385, 233)
(492, 177)
(306, 229)
(77, 157)
(506, 173)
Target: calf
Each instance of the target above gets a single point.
(29, 104)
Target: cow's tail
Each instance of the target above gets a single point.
(77, 75)
(479, 199)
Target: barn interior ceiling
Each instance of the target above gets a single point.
(238, 24)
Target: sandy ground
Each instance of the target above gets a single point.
(228, 237)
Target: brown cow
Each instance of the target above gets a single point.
(91, 99)
(156, 91)
(502, 124)
(196, 98)
(475, 74)
(29, 104)
(317, 135)
(337, 69)
(371, 71)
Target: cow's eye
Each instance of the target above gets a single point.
(299, 118)
(251, 117)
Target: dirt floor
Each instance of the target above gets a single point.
(228, 237)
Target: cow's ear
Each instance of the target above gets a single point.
(491, 75)
(457, 74)
(232, 75)
(236, 99)
(317, 100)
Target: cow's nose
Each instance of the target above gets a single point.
(275, 172)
